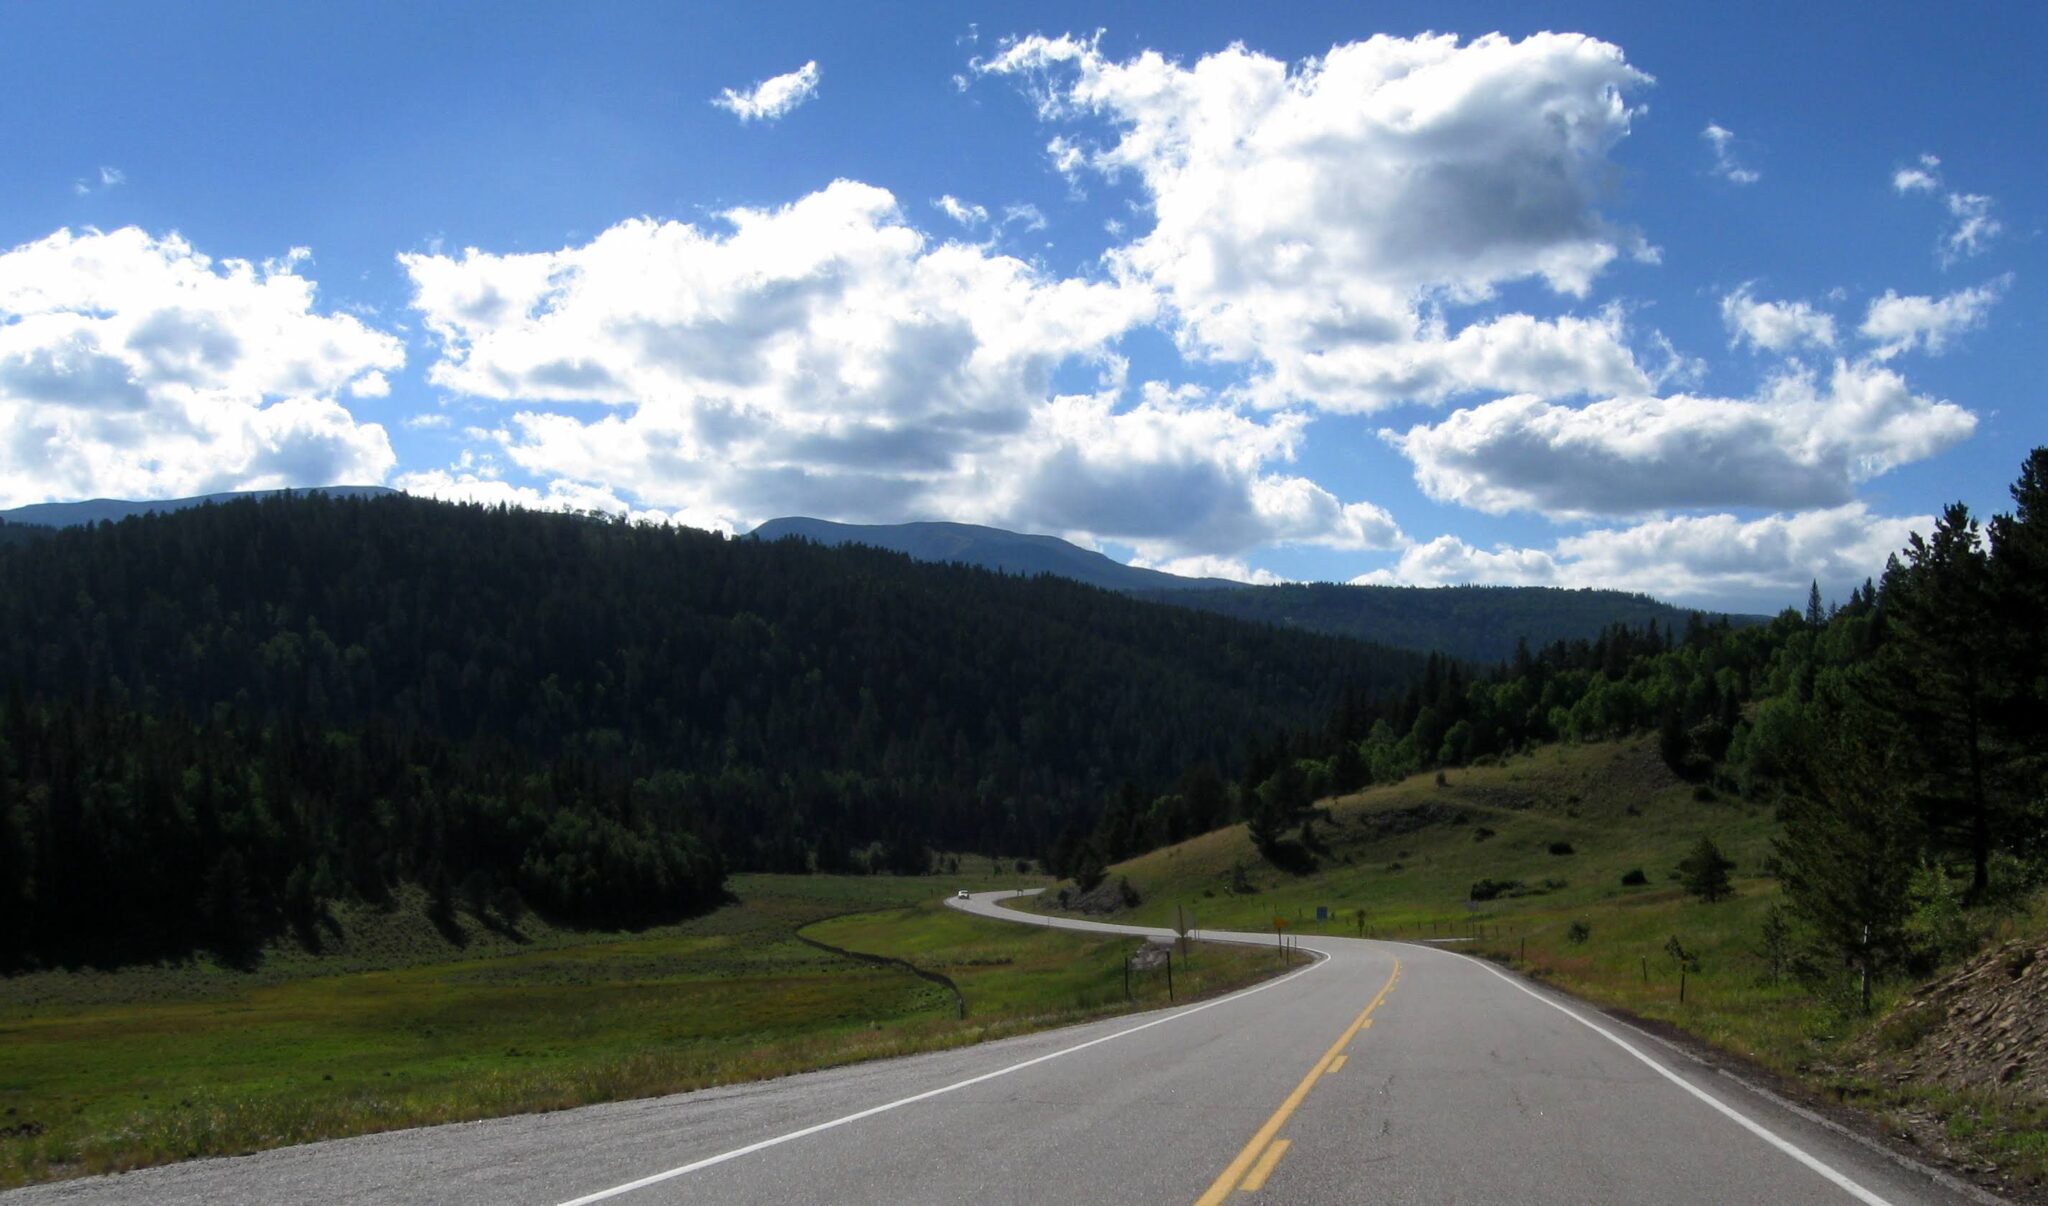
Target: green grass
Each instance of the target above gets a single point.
(1009, 972)
(392, 1027)
(1406, 855)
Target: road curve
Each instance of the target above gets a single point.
(1380, 1073)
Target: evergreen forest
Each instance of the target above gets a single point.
(219, 719)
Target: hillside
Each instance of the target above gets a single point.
(1409, 853)
(111, 510)
(348, 694)
(989, 548)
(1477, 623)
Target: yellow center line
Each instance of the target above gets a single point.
(1235, 1173)
(1264, 1168)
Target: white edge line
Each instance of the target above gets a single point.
(1756, 1128)
(928, 1094)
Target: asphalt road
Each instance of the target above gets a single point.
(1382, 1073)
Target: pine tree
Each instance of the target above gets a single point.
(1847, 854)
(1705, 872)
(2019, 589)
(1933, 680)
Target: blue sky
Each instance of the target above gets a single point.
(1701, 305)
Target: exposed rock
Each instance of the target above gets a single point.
(1982, 1025)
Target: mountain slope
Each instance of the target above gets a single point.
(988, 548)
(112, 510)
(1478, 623)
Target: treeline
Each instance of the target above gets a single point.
(1477, 624)
(125, 837)
(787, 706)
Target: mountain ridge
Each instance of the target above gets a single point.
(989, 548)
(113, 510)
(1479, 623)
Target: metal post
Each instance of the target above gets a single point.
(1169, 977)
(1646, 969)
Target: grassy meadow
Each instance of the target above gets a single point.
(394, 1026)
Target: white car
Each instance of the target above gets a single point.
(963, 894)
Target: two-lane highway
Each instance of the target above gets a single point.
(1380, 1073)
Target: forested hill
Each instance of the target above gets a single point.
(989, 548)
(1476, 623)
(270, 703)
(109, 510)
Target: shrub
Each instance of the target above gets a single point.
(1561, 848)
(1481, 834)
(1125, 890)
(1578, 933)
(1634, 878)
(1494, 889)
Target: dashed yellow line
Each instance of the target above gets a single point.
(1335, 1064)
(1255, 1163)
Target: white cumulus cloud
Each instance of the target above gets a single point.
(1900, 324)
(773, 97)
(1762, 564)
(1775, 326)
(1317, 221)
(826, 358)
(1803, 442)
(135, 366)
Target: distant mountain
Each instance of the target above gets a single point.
(990, 548)
(1478, 623)
(76, 514)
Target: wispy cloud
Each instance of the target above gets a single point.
(108, 177)
(1726, 166)
(1971, 226)
(773, 97)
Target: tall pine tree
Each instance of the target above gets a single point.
(1934, 681)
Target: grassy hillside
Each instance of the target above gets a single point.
(1409, 853)
(393, 1027)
